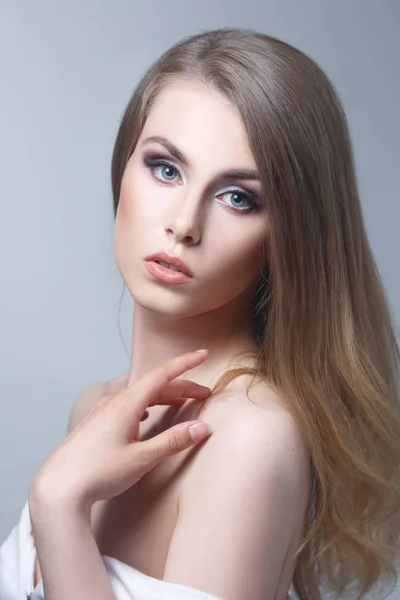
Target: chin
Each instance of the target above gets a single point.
(168, 303)
(164, 301)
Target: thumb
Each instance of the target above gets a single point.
(172, 441)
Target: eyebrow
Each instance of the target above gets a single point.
(173, 150)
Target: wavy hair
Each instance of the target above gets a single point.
(325, 333)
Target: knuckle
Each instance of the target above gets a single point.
(176, 443)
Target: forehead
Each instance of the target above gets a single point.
(202, 123)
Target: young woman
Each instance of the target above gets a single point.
(239, 229)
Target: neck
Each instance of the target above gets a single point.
(158, 337)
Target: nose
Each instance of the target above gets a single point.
(183, 222)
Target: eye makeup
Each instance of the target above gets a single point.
(155, 161)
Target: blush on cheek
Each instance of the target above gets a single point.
(134, 195)
(127, 205)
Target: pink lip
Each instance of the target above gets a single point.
(165, 274)
(171, 260)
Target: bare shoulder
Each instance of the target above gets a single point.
(253, 431)
(85, 401)
(267, 417)
(247, 490)
(258, 413)
(264, 426)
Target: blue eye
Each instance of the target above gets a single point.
(154, 163)
(169, 171)
(252, 205)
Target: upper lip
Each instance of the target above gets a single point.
(171, 260)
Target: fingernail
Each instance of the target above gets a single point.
(198, 430)
(202, 350)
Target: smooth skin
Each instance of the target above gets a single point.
(100, 459)
(243, 502)
(188, 211)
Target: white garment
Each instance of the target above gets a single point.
(17, 563)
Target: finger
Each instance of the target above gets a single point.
(183, 388)
(145, 415)
(170, 401)
(151, 384)
(178, 401)
(170, 442)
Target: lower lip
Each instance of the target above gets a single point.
(165, 274)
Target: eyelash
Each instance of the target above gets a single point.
(254, 206)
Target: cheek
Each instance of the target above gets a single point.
(127, 227)
(129, 199)
(141, 203)
(135, 206)
(233, 264)
(241, 256)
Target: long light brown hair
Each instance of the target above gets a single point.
(326, 338)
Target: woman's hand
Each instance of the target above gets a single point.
(103, 457)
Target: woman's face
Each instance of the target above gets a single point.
(191, 207)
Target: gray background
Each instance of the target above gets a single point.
(67, 70)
